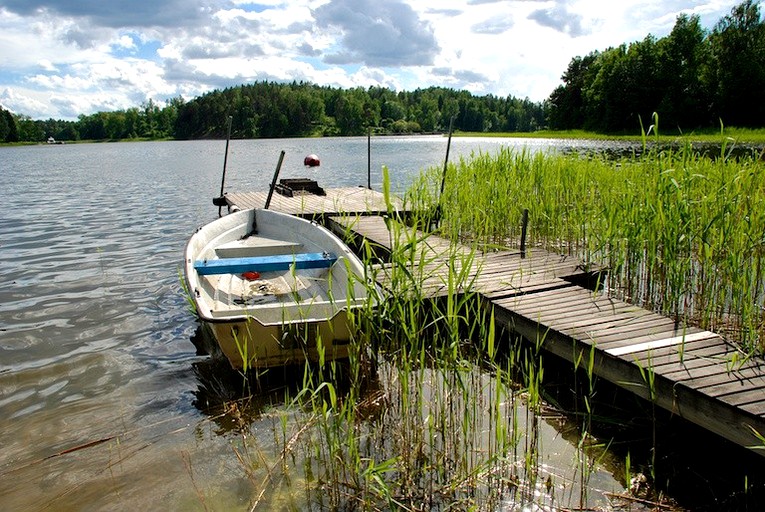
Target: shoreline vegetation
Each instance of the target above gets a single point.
(448, 412)
(680, 233)
(727, 135)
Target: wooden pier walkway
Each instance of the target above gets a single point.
(690, 372)
(358, 200)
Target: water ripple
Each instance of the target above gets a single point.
(94, 329)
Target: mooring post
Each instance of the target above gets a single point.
(443, 175)
(273, 182)
(446, 160)
(221, 200)
(369, 157)
(524, 226)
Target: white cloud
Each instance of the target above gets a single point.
(124, 41)
(60, 58)
(24, 101)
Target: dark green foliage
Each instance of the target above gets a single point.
(566, 103)
(149, 121)
(737, 47)
(268, 109)
(8, 129)
(684, 62)
(691, 78)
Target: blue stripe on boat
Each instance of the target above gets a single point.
(265, 263)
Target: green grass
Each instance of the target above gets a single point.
(446, 421)
(680, 233)
(754, 136)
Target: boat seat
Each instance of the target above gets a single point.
(265, 263)
(256, 246)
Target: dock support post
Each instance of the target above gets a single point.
(437, 216)
(524, 226)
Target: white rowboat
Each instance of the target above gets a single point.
(274, 289)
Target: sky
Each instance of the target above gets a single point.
(63, 58)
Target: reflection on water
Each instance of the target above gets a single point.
(104, 401)
(561, 471)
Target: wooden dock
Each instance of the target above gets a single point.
(694, 373)
(358, 200)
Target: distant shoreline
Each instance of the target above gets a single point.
(729, 135)
(754, 137)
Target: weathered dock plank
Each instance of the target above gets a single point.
(336, 201)
(431, 258)
(689, 366)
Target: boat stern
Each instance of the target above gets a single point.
(250, 344)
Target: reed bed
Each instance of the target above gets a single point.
(435, 409)
(679, 233)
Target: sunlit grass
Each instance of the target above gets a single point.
(437, 410)
(709, 135)
(433, 414)
(680, 233)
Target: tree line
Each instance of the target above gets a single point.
(270, 109)
(150, 121)
(693, 78)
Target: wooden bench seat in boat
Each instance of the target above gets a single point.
(256, 246)
(270, 263)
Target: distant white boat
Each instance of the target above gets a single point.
(273, 288)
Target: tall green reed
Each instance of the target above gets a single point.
(680, 233)
(435, 415)
(438, 424)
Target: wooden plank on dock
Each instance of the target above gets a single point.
(691, 374)
(373, 228)
(660, 343)
(432, 258)
(337, 200)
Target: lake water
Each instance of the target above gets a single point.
(99, 379)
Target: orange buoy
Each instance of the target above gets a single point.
(311, 161)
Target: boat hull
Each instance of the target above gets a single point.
(250, 344)
(293, 305)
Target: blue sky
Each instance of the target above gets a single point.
(63, 58)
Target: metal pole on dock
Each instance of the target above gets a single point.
(369, 158)
(273, 182)
(220, 200)
(437, 216)
(446, 160)
(524, 226)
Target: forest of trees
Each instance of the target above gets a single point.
(150, 121)
(270, 109)
(693, 78)
(284, 110)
